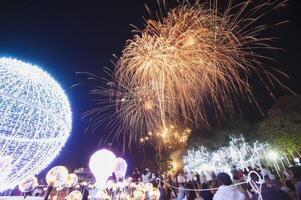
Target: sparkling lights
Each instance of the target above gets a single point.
(35, 121)
(238, 153)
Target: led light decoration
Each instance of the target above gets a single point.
(102, 164)
(57, 176)
(35, 120)
(238, 153)
(72, 180)
(75, 195)
(120, 168)
(28, 184)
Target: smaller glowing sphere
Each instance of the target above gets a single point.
(154, 194)
(120, 168)
(138, 194)
(148, 187)
(102, 164)
(28, 184)
(273, 155)
(72, 180)
(57, 176)
(75, 195)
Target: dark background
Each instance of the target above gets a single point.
(64, 37)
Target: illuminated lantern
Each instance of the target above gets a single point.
(57, 176)
(29, 184)
(102, 164)
(72, 180)
(120, 168)
(35, 120)
(75, 195)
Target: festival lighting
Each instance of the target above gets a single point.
(75, 195)
(195, 55)
(57, 176)
(102, 164)
(35, 120)
(120, 168)
(238, 153)
(28, 184)
(72, 180)
(273, 155)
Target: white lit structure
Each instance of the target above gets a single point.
(120, 168)
(35, 120)
(102, 165)
(238, 153)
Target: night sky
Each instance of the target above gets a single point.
(64, 37)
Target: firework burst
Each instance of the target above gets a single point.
(195, 55)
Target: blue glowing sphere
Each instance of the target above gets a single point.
(35, 121)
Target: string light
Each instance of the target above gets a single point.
(238, 153)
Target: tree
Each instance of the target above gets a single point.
(282, 127)
(215, 137)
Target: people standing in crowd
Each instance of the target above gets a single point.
(206, 194)
(136, 175)
(146, 175)
(270, 192)
(203, 178)
(225, 192)
(287, 174)
(235, 174)
(181, 187)
(298, 187)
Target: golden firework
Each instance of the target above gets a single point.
(195, 55)
(168, 137)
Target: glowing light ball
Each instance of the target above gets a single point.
(35, 119)
(120, 168)
(29, 184)
(75, 195)
(102, 164)
(273, 155)
(72, 180)
(57, 176)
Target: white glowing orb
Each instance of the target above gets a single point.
(57, 176)
(35, 120)
(102, 164)
(273, 155)
(120, 168)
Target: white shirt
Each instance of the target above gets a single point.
(145, 178)
(228, 193)
(265, 172)
(181, 179)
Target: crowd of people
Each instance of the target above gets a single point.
(226, 186)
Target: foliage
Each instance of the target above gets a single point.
(281, 128)
(216, 137)
(163, 162)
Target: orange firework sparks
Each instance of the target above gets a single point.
(196, 54)
(169, 136)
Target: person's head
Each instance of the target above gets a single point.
(262, 166)
(223, 179)
(234, 167)
(290, 185)
(205, 186)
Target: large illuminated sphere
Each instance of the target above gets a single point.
(35, 120)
